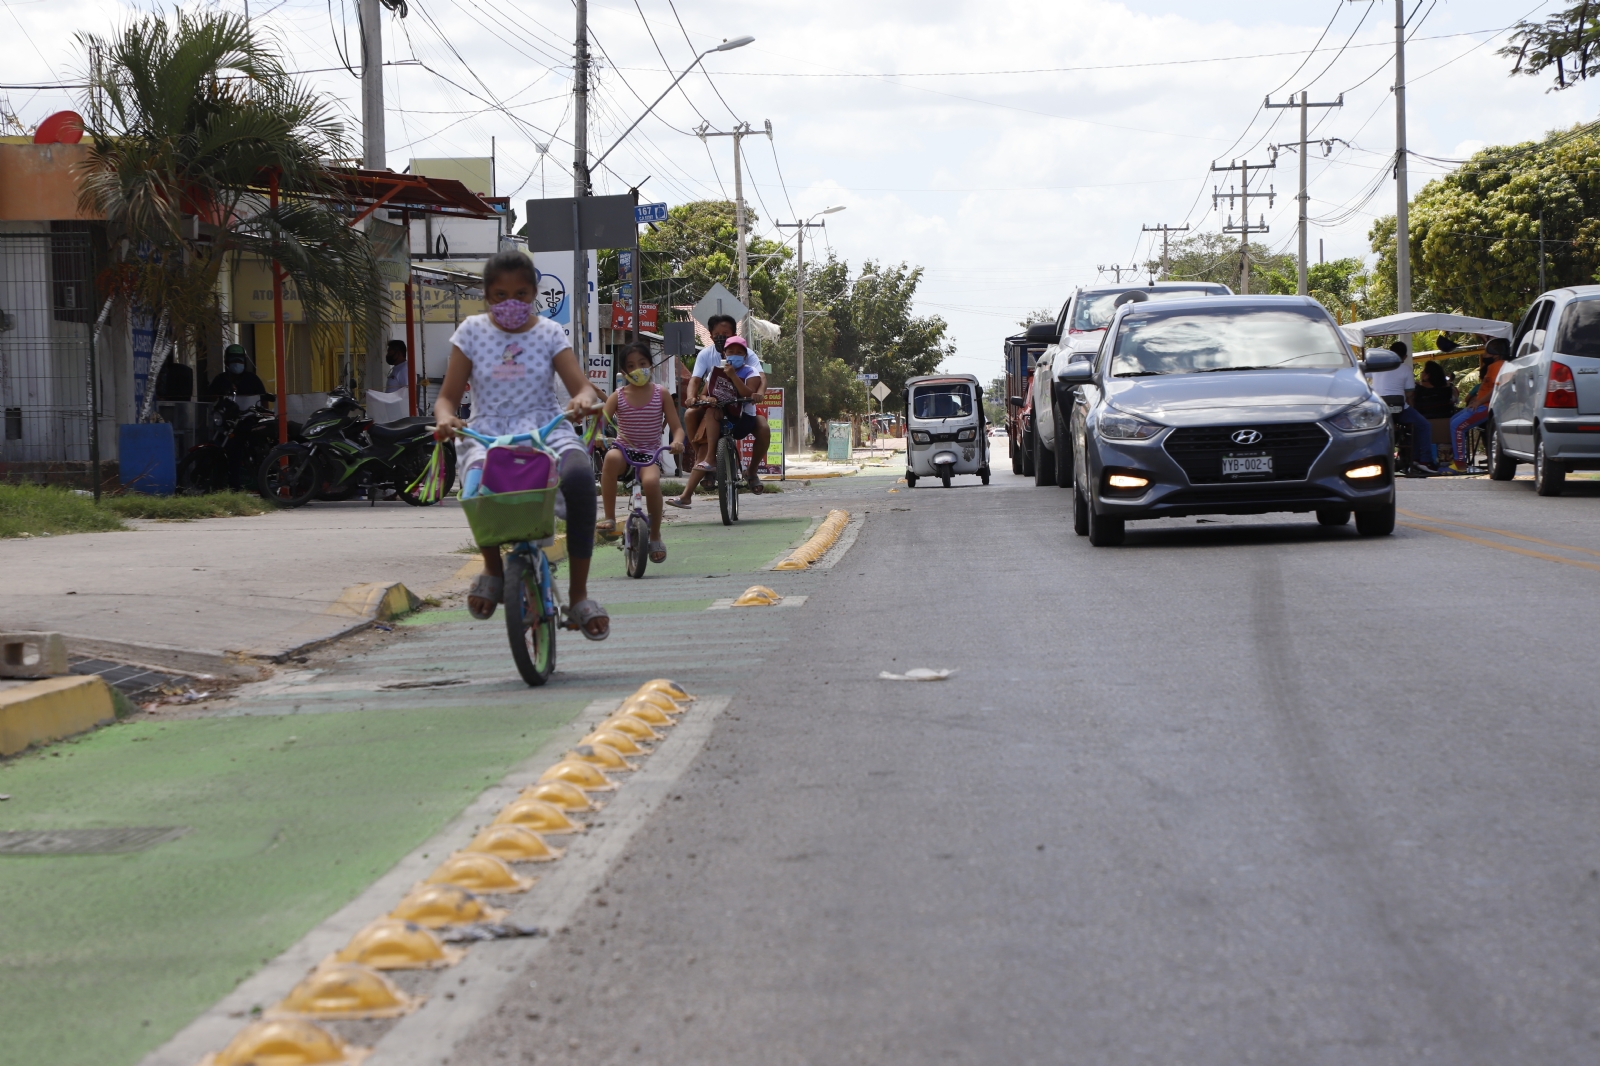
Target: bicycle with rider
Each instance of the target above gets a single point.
(744, 371)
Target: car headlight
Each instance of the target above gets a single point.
(919, 436)
(1119, 425)
(1370, 413)
(967, 434)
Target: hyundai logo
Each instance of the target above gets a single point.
(1247, 436)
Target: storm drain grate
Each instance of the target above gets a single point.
(86, 841)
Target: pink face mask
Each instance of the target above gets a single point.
(510, 314)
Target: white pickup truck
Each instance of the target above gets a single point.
(1079, 328)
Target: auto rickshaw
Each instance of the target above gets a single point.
(946, 433)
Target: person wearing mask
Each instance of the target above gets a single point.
(237, 379)
(1475, 408)
(1401, 384)
(745, 371)
(721, 327)
(396, 358)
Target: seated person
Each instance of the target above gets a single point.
(721, 327)
(1399, 382)
(747, 377)
(1435, 396)
(1475, 408)
(641, 409)
(237, 379)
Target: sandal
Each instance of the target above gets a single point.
(673, 501)
(658, 551)
(580, 614)
(606, 529)
(705, 467)
(486, 587)
(753, 483)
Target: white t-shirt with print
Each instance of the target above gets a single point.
(709, 359)
(514, 384)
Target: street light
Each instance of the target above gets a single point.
(725, 46)
(801, 426)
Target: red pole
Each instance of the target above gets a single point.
(281, 385)
(411, 326)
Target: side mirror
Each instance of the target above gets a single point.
(1380, 359)
(1016, 401)
(1077, 372)
(1043, 333)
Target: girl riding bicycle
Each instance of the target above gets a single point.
(639, 409)
(512, 358)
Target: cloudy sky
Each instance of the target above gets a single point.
(1012, 148)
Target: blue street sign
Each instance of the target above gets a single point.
(643, 213)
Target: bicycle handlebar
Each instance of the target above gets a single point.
(520, 438)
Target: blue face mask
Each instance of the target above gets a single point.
(735, 361)
(236, 368)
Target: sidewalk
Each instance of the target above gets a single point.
(205, 595)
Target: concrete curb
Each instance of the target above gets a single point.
(41, 711)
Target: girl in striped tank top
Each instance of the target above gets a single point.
(640, 409)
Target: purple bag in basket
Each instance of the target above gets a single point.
(517, 470)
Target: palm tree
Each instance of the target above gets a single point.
(190, 121)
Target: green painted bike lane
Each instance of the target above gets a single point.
(288, 817)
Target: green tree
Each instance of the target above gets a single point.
(1036, 316)
(858, 325)
(1214, 257)
(698, 245)
(187, 121)
(994, 401)
(1474, 233)
(1569, 41)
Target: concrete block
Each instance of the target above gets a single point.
(32, 655)
(57, 707)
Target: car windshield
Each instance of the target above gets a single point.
(1198, 342)
(1580, 329)
(1096, 309)
(941, 401)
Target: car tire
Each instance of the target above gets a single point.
(1080, 514)
(1044, 463)
(1548, 475)
(1501, 466)
(911, 480)
(1105, 532)
(1016, 457)
(1026, 448)
(1379, 523)
(1333, 516)
(1063, 453)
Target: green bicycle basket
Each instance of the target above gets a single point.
(507, 517)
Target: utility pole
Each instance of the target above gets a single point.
(1115, 269)
(1541, 250)
(1402, 262)
(578, 291)
(374, 155)
(738, 133)
(802, 428)
(1244, 229)
(1303, 283)
(1166, 231)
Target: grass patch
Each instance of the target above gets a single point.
(43, 510)
(211, 505)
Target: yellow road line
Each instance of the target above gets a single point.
(1499, 532)
(1504, 547)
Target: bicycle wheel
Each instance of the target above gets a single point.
(530, 628)
(637, 551)
(727, 481)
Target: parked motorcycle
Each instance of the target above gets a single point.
(341, 452)
(243, 432)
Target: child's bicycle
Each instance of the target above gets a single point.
(526, 522)
(636, 531)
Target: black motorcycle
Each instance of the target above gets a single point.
(341, 452)
(240, 441)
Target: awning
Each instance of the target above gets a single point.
(1423, 321)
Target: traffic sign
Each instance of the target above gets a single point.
(719, 301)
(880, 392)
(647, 213)
(866, 377)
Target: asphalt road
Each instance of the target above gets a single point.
(1240, 791)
